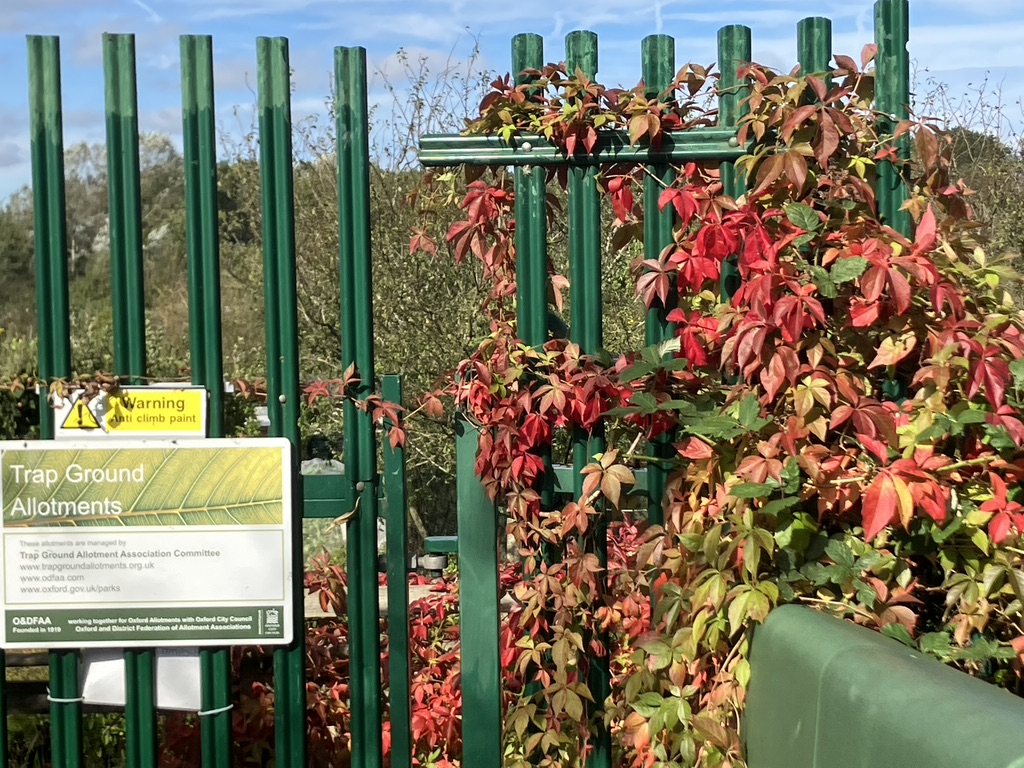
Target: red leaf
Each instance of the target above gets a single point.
(845, 62)
(828, 140)
(773, 377)
(879, 506)
(867, 55)
(695, 449)
(992, 372)
(999, 527)
(925, 237)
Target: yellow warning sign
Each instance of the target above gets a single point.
(138, 412)
(145, 409)
(80, 417)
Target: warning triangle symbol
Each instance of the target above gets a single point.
(80, 418)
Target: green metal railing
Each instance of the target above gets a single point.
(367, 489)
(321, 496)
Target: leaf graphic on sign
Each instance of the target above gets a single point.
(214, 486)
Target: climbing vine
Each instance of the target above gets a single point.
(845, 430)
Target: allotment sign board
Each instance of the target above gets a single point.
(159, 410)
(145, 543)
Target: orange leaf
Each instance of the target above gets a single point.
(879, 506)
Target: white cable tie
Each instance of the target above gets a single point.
(217, 711)
(57, 700)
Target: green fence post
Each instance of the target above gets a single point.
(658, 54)
(275, 123)
(49, 212)
(892, 87)
(479, 605)
(814, 46)
(531, 241)
(892, 99)
(399, 682)
(531, 218)
(584, 221)
(585, 329)
(47, 129)
(360, 438)
(201, 229)
(125, 206)
(124, 181)
(733, 52)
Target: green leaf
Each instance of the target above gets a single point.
(850, 268)
(637, 370)
(1017, 370)
(935, 643)
(840, 553)
(791, 476)
(775, 506)
(644, 401)
(802, 216)
(982, 649)
(738, 609)
(822, 279)
(718, 427)
(972, 416)
(750, 409)
(939, 535)
(648, 704)
(682, 406)
(753, 490)
(750, 414)
(797, 535)
(816, 573)
(999, 438)
(742, 672)
(658, 352)
(865, 593)
(804, 240)
(898, 632)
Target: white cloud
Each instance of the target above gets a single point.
(951, 41)
(12, 154)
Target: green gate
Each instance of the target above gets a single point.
(365, 484)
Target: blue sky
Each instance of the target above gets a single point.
(955, 42)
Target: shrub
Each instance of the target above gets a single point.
(843, 431)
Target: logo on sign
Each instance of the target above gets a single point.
(272, 620)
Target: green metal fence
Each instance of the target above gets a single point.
(321, 496)
(364, 482)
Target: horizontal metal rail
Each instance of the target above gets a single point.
(718, 144)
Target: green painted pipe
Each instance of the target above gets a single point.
(826, 692)
(49, 211)
(733, 52)
(612, 147)
(203, 256)
(360, 438)
(399, 691)
(892, 78)
(129, 302)
(585, 329)
(274, 103)
(478, 605)
(658, 55)
(814, 46)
